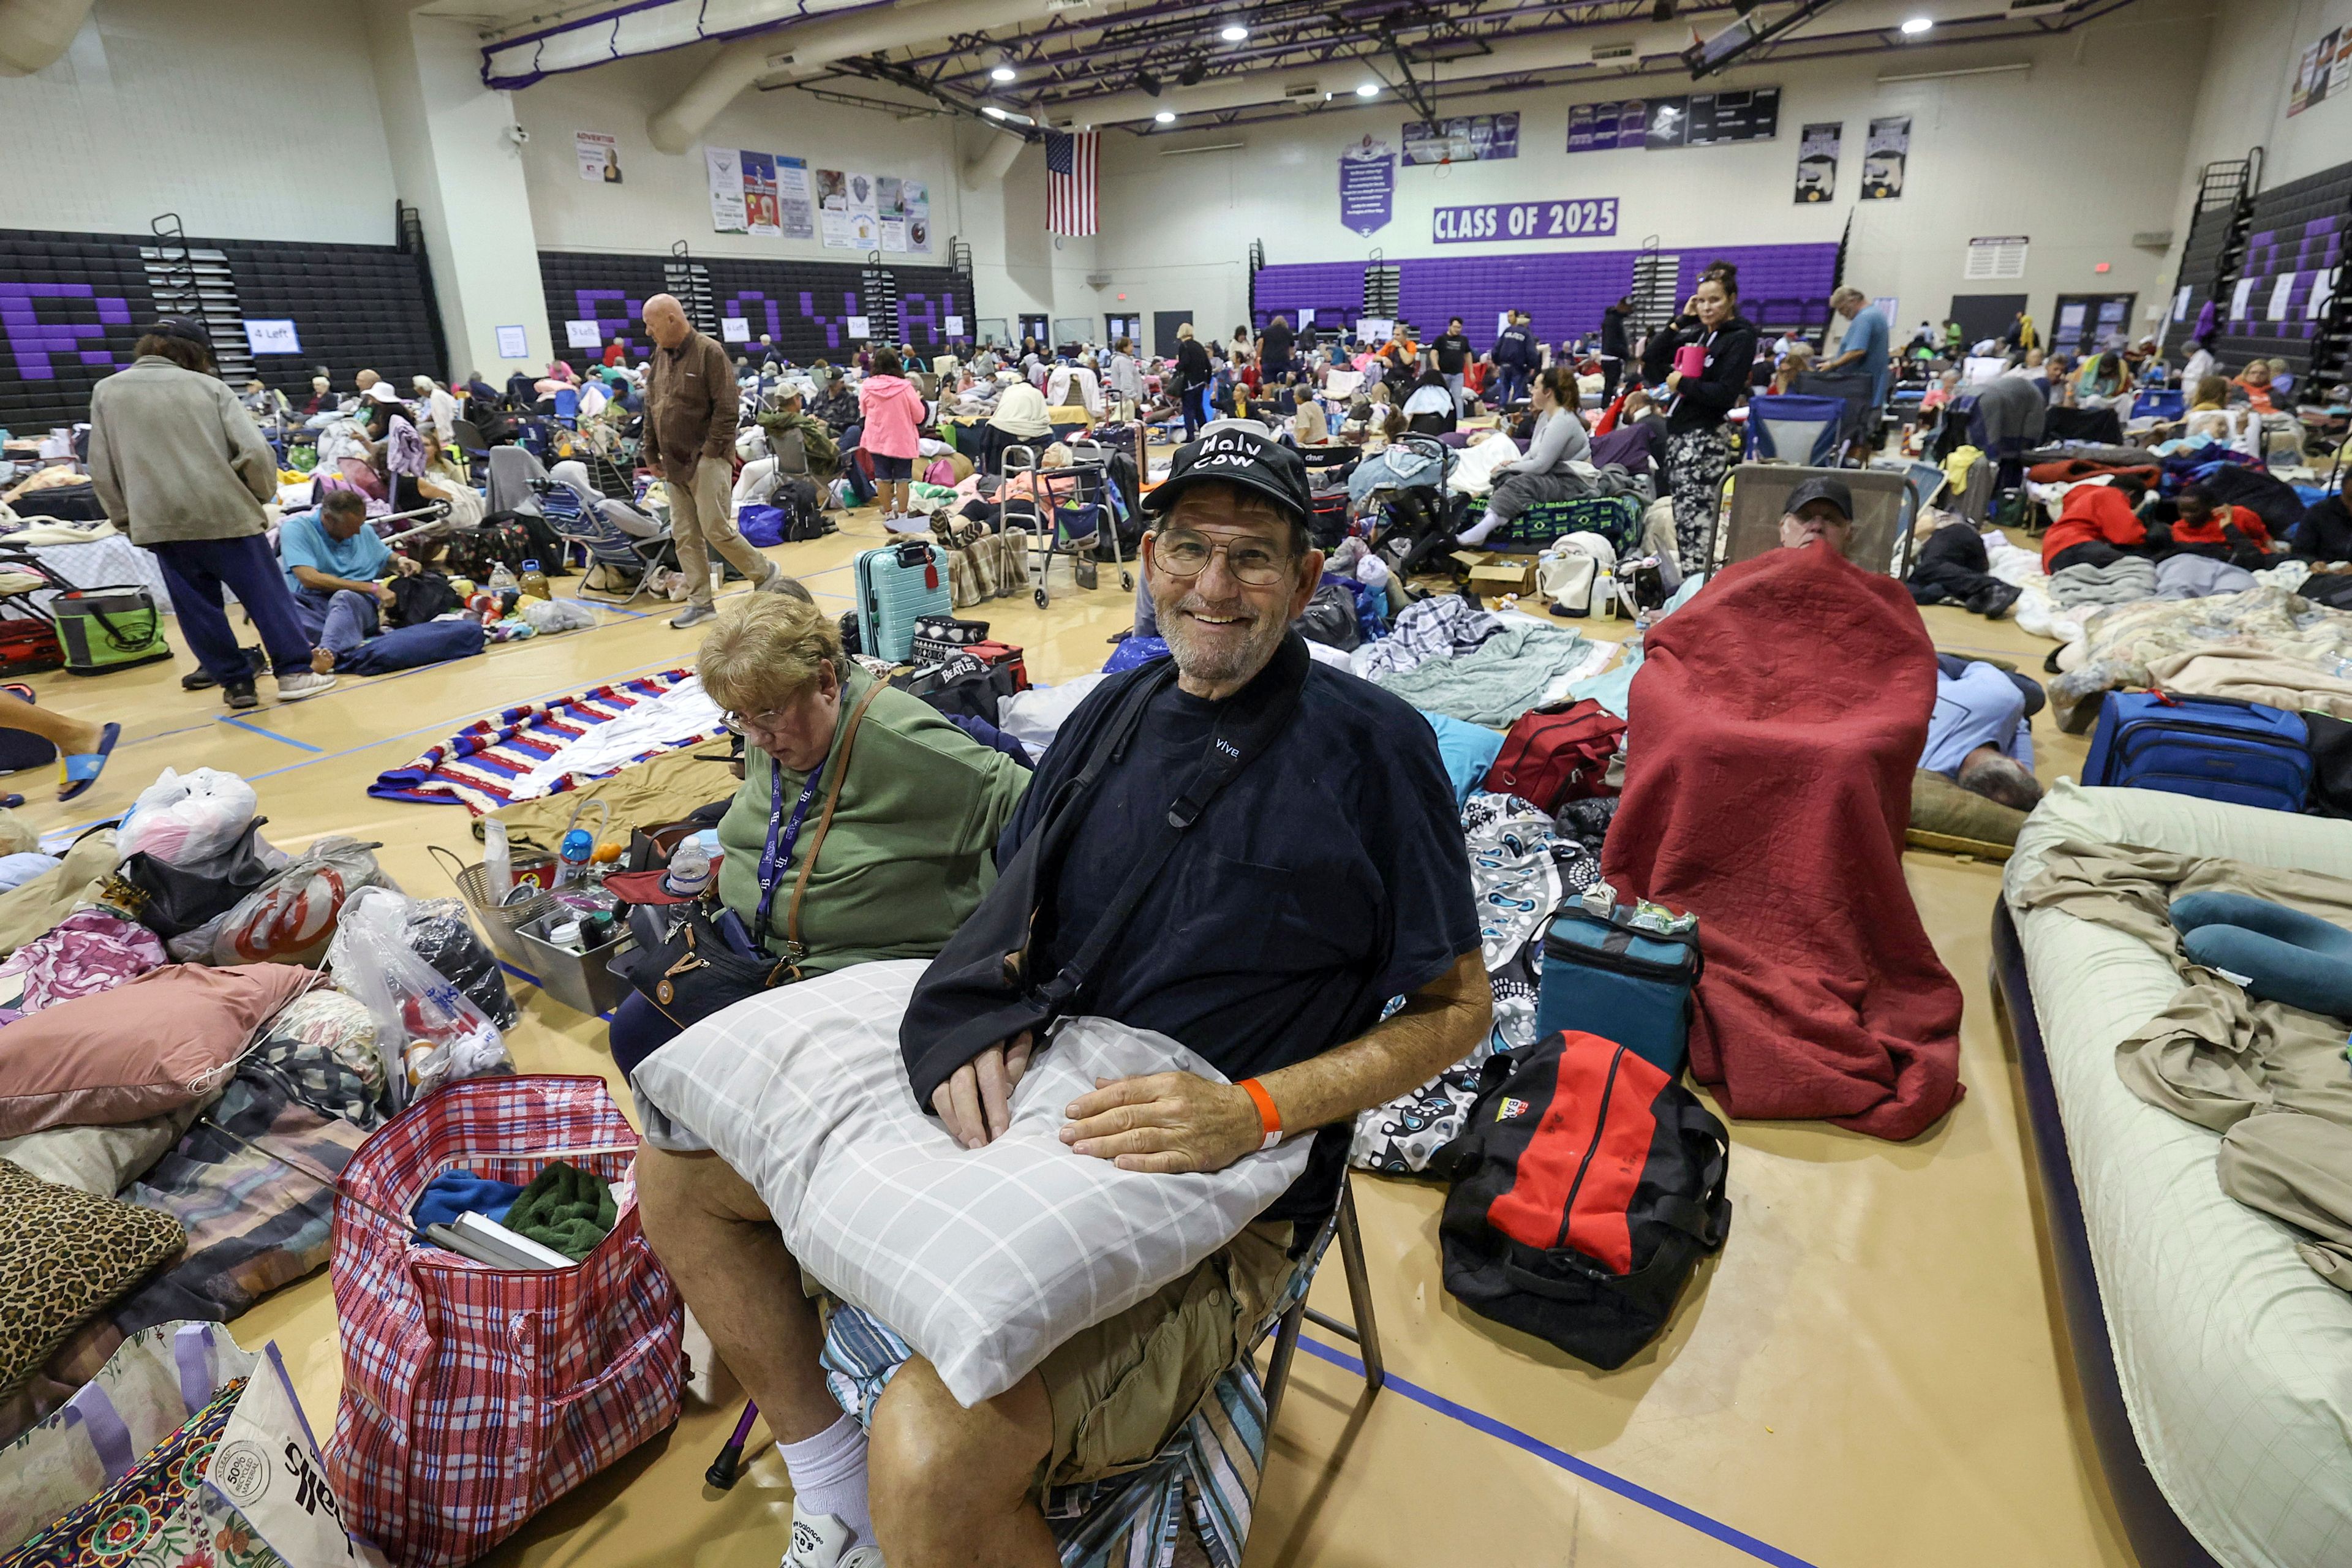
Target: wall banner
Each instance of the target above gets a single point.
(795, 211)
(760, 216)
(1367, 184)
(1470, 138)
(1884, 157)
(726, 169)
(1817, 161)
(1571, 219)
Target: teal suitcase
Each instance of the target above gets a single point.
(896, 585)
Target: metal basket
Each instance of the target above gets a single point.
(500, 922)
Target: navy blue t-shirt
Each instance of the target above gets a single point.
(1327, 878)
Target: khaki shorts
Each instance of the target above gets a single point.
(1119, 1388)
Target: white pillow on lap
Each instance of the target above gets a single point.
(983, 1260)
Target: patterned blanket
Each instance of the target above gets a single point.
(1520, 869)
(491, 763)
(2303, 648)
(254, 1223)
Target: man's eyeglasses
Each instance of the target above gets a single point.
(1183, 553)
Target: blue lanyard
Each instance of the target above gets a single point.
(782, 837)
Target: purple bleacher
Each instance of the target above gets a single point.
(1564, 291)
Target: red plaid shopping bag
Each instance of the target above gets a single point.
(474, 1396)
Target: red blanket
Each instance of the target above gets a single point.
(1774, 726)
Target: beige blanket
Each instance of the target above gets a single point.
(2272, 1079)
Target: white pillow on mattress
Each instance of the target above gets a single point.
(983, 1260)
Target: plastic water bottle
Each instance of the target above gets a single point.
(503, 580)
(497, 862)
(689, 872)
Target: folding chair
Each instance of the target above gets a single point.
(1755, 497)
(1205, 1477)
(567, 405)
(467, 437)
(1784, 428)
(580, 520)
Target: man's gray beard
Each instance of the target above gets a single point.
(1216, 666)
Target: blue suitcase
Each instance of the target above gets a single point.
(2215, 748)
(1629, 986)
(896, 584)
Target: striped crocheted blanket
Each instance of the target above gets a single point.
(546, 747)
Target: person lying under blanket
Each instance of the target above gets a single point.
(1268, 951)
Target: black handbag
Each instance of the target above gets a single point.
(697, 972)
(182, 898)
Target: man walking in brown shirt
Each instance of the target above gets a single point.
(691, 408)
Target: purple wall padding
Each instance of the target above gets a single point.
(1565, 291)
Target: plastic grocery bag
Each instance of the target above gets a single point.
(290, 918)
(183, 817)
(438, 932)
(430, 1032)
(560, 616)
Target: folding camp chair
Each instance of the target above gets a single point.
(1788, 429)
(1755, 497)
(1205, 1477)
(582, 520)
(567, 405)
(467, 437)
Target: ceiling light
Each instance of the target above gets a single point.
(1166, 117)
(1917, 26)
(1369, 89)
(1233, 32)
(1001, 73)
(991, 111)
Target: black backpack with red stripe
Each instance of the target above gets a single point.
(1587, 1184)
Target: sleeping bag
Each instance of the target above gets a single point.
(1774, 724)
(434, 642)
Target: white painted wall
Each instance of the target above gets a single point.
(455, 162)
(2080, 152)
(251, 119)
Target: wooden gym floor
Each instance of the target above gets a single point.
(1874, 1372)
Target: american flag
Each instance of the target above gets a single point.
(1071, 164)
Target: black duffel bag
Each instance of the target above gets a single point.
(1587, 1184)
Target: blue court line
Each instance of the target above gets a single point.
(525, 975)
(257, 729)
(1763, 1552)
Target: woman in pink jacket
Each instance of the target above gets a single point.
(893, 412)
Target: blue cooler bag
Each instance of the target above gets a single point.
(1605, 977)
(2216, 747)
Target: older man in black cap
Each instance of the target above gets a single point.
(1173, 878)
(1818, 509)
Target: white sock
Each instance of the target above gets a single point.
(828, 1475)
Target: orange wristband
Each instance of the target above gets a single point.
(1268, 1117)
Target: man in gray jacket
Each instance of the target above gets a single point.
(179, 467)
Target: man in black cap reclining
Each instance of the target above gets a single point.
(1269, 854)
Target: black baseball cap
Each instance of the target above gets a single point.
(1235, 456)
(1833, 491)
(181, 328)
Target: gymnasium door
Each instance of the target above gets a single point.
(1983, 316)
(1037, 327)
(1164, 330)
(1117, 327)
(2085, 321)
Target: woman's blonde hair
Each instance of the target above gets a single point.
(765, 654)
(1184, 330)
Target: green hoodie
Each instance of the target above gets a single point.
(816, 442)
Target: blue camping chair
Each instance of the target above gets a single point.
(1793, 430)
(567, 405)
(2159, 404)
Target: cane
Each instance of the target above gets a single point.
(722, 1473)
